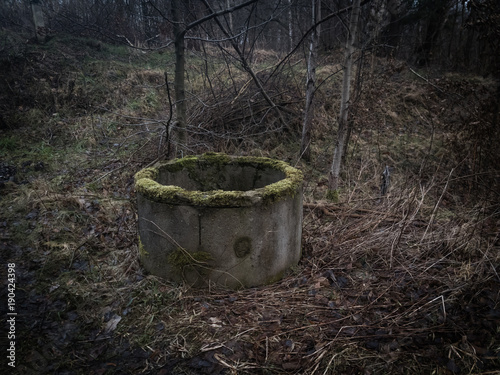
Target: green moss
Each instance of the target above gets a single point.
(176, 165)
(146, 173)
(8, 144)
(192, 162)
(181, 258)
(146, 184)
(332, 196)
(176, 195)
(156, 191)
(283, 188)
(217, 159)
(142, 251)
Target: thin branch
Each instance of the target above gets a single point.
(426, 80)
(311, 29)
(433, 215)
(248, 68)
(217, 14)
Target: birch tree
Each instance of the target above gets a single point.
(343, 129)
(290, 26)
(179, 81)
(38, 20)
(305, 144)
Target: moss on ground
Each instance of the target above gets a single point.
(142, 251)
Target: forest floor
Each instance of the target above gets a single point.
(406, 283)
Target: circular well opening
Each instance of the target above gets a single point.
(234, 176)
(218, 180)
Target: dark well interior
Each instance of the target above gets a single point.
(229, 177)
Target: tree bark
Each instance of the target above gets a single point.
(436, 16)
(333, 181)
(179, 132)
(290, 26)
(228, 5)
(179, 81)
(305, 143)
(38, 20)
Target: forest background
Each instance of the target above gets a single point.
(399, 274)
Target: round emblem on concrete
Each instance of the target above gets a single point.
(242, 246)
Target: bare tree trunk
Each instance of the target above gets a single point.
(305, 143)
(437, 17)
(333, 181)
(228, 5)
(40, 31)
(290, 26)
(179, 81)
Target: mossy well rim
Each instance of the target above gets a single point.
(146, 184)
